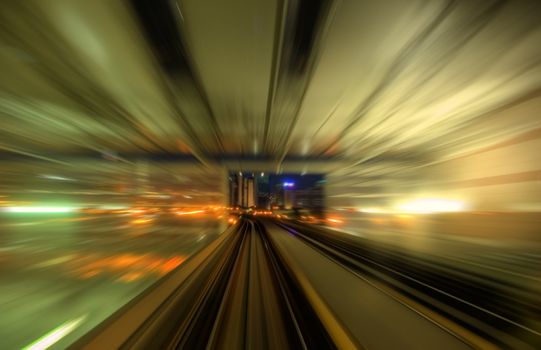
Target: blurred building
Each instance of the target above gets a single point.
(263, 195)
(233, 190)
(249, 192)
(242, 190)
(277, 196)
(289, 196)
(309, 198)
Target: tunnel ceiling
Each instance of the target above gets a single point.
(365, 87)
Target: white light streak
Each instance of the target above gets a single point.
(39, 209)
(54, 177)
(55, 335)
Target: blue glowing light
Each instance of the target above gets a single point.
(289, 184)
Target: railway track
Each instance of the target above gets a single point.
(464, 299)
(262, 306)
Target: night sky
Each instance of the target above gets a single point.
(301, 181)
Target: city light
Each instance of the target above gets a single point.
(142, 221)
(289, 184)
(333, 220)
(190, 212)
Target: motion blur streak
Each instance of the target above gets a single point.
(271, 173)
(55, 335)
(39, 209)
(190, 212)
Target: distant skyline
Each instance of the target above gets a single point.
(269, 187)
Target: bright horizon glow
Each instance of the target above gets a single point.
(431, 205)
(39, 209)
